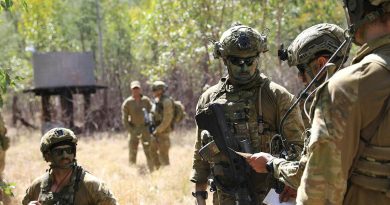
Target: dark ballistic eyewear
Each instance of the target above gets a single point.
(60, 151)
(241, 61)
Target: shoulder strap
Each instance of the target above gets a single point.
(260, 119)
(221, 89)
(45, 186)
(79, 175)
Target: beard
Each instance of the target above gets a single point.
(63, 162)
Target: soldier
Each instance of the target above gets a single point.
(350, 122)
(65, 182)
(134, 122)
(163, 116)
(254, 106)
(5, 143)
(309, 52)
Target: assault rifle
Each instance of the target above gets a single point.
(149, 122)
(238, 171)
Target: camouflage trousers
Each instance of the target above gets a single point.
(161, 145)
(141, 134)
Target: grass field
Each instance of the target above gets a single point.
(105, 155)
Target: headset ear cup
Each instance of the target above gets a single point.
(217, 50)
(264, 47)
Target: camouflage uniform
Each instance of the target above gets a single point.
(342, 108)
(90, 191)
(253, 112)
(82, 187)
(163, 116)
(134, 122)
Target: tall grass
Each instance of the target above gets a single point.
(105, 155)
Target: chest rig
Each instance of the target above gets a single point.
(242, 117)
(158, 111)
(244, 121)
(67, 195)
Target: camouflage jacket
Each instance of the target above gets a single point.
(163, 114)
(343, 106)
(91, 191)
(132, 114)
(275, 100)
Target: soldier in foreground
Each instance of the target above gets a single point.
(253, 107)
(350, 122)
(134, 121)
(65, 182)
(5, 143)
(163, 116)
(309, 52)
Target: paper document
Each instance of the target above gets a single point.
(272, 198)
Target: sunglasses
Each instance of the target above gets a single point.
(60, 151)
(241, 61)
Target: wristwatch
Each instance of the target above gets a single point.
(202, 194)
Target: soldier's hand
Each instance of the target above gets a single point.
(258, 161)
(200, 201)
(287, 193)
(34, 203)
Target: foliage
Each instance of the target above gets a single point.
(153, 39)
(7, 188)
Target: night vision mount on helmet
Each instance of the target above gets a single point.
(240, 38)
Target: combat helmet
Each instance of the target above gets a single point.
(359, 12)
(159, 85)
(240, 38)
(317, 40)
(57, 136)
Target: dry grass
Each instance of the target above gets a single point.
(106, 156)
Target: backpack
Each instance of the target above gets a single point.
(179, 114)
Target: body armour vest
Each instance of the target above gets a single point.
(244, 121)
(67, 195)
